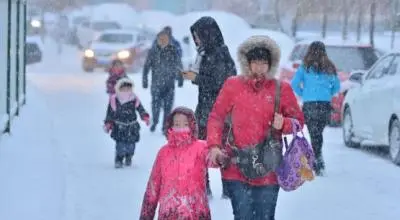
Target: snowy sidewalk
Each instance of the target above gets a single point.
(32, 182)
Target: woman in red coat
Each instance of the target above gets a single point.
(177, 182)
(249, 99)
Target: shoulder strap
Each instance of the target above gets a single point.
(277, 101)
(113, 102)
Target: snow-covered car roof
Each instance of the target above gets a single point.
(120, 31)
(35, 40)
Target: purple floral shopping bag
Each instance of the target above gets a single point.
(297, 163)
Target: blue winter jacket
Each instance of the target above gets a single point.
(312, 86)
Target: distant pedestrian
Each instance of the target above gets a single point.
(164, 63)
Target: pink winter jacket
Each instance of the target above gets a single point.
(177, 184)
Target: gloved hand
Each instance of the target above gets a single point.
(217, 157)
(146, 119)
(107, 127)
(145, 84)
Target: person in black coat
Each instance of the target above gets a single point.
(175, 42)
(213, 66)
(165, 64)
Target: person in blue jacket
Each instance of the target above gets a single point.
(316, 82)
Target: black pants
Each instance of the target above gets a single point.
(162, 98)
(317, 116)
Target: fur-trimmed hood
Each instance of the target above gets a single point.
(122, 81)
(259, 41)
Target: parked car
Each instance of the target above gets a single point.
(33, 54)
(371, 110)
(129, 46)
(347, 57)
(87, 31)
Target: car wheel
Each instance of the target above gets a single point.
(347, 128)
(394, 141)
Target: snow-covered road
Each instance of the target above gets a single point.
(58, 163)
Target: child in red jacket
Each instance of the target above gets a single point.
(177, 182)
(116, 72)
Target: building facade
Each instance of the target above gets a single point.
(12, 60)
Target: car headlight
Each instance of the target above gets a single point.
(123, 54)
(89, 53)
(36, 23)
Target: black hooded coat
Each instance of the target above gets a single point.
(215, 67)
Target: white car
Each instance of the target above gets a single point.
(129, 46)
(87, 31)
(371, 109)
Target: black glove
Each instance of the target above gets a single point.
(180, 83)
(145, 85)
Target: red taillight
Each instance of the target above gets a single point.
(295, 65)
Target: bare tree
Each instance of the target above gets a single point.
(345, 26)
(324, 19)
(295, 19)
(395, 10)
(278, 15)
(359, 19)
(372, 23)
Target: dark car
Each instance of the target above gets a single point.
(33, 54)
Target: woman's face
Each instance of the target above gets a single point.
(180, 121)
(259, 68)
(196, 38)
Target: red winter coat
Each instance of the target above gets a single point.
(177, 184)
(252, 110)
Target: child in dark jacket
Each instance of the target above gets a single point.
(116, 72)
(121, 121)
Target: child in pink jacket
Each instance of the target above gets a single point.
(177, 182)
(116, 72)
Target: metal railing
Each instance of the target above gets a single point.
(12, 61)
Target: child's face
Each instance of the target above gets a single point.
(118, 65)
(180, 121)
(126, 89)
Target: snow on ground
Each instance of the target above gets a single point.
(58, 163)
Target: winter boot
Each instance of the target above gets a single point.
(209, 193)
(118, 162)
(224, 196)
(153, 127)
(319, 166)
(128, 160)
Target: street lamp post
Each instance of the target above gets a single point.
(8, 94)
(17, 55)
(24, 52)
